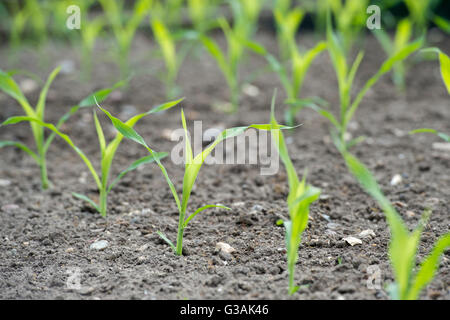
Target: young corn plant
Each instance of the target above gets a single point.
(90, 31)
(445, 73)
(420, 13)
(108, 151)
(350, 16)
(18, 24)
(36, 118)
(124, 31)
(409, 281)
(391, 47)
(346, 75)
(292, 80)
(245, 16)
(192, 168)
(10, 87)
(168, 49)
(169, 11)
(230, 61)
(301, 196)
(200, 12)
(287, 23)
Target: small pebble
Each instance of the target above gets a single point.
(224, 247)
(10, 207)
(257, 207)
(368, 233)
(396, 179)
(352, 240)
(28, 86)
(250, 90)
(410, 214)
(99, 245)
(441, 146)
(4, 183)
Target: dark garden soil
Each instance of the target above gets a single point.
(45, 237)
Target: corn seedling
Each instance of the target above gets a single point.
(350, 19)
(300, 62)
(108, 151)
(245, 16)
(445, 73)
(124, 31)
(420, 13)
(346, 75)
(200, 12)
(19, 20)
(36, 118)
(287, 22)
(90, 31)
(245, 19)
(228, 62)
(403, 244)
(192, 168)
(169, 11)
(30, 14)
(10, 87)
(391, 47)
(168, 49)
(301, 196)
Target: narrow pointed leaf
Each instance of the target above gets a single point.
(137, 164)
(20, 146)
(170, 243)
(201, 209)
(87, 199)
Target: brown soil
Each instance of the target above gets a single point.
(47, 234)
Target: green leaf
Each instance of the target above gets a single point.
(128, 132)
(165, 106)
(14, 120)
(89, 101)
(167, 45)
(400, 55)
(40, 107)
(170, 243)
(429, 266)
(445, 65)
(385, 67)
(442, 23)
(20, 146)
(85, 198)
(10, 87)
(201, 209)
(443, 136)
(215, 51)
(124, 129)
(100, 95)
(100, 135)
(136, 164)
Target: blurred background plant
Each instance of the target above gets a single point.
(35, 23)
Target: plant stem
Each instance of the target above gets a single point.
(44, 176)
(179, 248)
(291, 282)
(103, 202)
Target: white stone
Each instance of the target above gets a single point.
(99, 245)
(396, 179)
(225, 247)
(352, 240)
